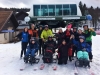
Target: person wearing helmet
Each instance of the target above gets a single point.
(44, 36)
(88, 33)
(32, 32)
(76, 38)
(40, 40)
(31, 49)
(60, 36)
(50, 43)
(81, 44)
(45, 33)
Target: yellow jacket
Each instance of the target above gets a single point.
(46, 33)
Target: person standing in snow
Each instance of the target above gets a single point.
(88, 33)
(68, 33)
(60, 37)
(40, 40)
(76, 38)
(24, 38)
(44, 35)
(32, 32)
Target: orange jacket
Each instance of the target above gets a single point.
(33, 33)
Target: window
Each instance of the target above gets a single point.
(37, 10)
(66, 10)
(51, 9)
(58, 10)
(73, 9)
(44, 10)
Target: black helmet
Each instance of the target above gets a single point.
(40, 26)
(82, 37)
(85, 25)
(32, 39)
(74, 27)
(49, 36)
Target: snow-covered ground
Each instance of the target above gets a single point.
(10, 62)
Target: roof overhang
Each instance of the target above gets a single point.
(64, 18)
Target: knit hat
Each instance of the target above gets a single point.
(69, 26)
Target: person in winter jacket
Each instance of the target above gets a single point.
(50, 43)
(44, 36)
(82, 45)
(32, 48)
(88, 33)
(45, 33)
(40, 40)
(24, 38)
(68, 33)
(76, 38)
(80, 33)
(60, 37)
(32, 32)
(63, 52)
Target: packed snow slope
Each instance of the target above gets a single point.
(10, 63)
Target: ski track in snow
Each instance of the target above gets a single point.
(10, 62)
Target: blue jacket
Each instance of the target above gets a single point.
(33, 46)
(82, 45)
(25, 36)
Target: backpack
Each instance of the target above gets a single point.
(48, 57)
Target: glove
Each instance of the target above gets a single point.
(91, 29)
(84, 49)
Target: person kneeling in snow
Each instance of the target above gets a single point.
(31, 50)
(83, 50)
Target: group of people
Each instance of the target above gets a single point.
(68, 43)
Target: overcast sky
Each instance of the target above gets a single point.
(29, 3)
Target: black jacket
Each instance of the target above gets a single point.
(63, 49)
(39, 33)
(60, 38)
(76, 36)
(52, 44)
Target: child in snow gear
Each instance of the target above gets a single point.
(49, 47)
(63, 52)
(24, 36)
(31, 50)
(82, 52)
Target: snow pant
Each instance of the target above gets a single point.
(70, 58)
(40, 46)
(90, 53)
(24, 46)
(43, 48)
(31, 51)
(62, 60)
(74, 50)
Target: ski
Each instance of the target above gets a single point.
(90, 71)
(75, 71)
(42, 66)
(23, 68)
(54, 67)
